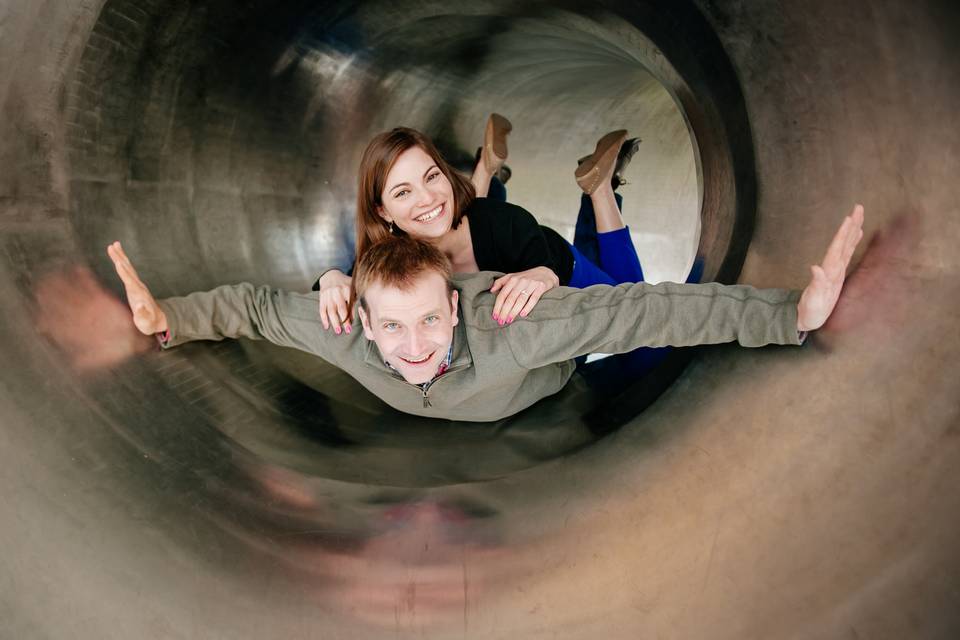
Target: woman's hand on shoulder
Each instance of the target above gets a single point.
(335, 301)
(518, 293)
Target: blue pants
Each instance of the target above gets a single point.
(607, 258)
(602, 258)
(598, 258)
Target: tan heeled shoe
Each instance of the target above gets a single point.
(495, 142)
(598, 168)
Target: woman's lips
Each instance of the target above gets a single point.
(430, 216)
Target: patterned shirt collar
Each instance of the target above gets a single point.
(442, 369)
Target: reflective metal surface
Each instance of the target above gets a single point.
(237, 490)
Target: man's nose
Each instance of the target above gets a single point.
(414, 343)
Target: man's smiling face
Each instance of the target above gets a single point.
(412, 327)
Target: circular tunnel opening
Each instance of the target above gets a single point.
(172, 494)
(220, 145)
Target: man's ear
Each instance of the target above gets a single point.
(454, 299)
(365, 321)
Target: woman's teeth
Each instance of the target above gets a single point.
(429, 215)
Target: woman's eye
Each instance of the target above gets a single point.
(401, 193)
(432, 176)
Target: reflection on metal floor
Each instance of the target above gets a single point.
(240, 491)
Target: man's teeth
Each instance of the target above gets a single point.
(423, 359)
(429, 215)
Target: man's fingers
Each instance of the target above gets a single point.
(120, 256)
(852, 246)
(128, 275)
(857, 214)
(835, 250)
(844, 243)
(117, 258)
(850, 242)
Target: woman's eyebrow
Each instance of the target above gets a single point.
(407, 184)
(400, 184)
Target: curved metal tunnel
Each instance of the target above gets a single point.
(239, 490)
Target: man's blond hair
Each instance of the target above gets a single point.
(397, 261)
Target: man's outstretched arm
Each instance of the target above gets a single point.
(236, 311)
(572, 322)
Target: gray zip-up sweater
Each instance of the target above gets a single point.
(497, 371)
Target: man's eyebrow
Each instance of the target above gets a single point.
(383, 319)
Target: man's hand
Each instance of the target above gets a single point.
(334, 300)
(821, 295)
(520, 292)
(147, 314)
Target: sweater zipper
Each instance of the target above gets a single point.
(426, 400)
(426, 388)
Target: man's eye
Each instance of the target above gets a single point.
(391, 326)
(431, 319)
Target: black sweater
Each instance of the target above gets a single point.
(507, 238)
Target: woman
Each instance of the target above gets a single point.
(407, 187)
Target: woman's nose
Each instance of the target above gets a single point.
(423, 196)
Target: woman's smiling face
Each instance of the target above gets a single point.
(418, 197)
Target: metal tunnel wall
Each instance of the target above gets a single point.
(238, 490)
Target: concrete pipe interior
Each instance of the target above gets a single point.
(240, 490)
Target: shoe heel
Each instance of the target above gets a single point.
(592, 172)
(495, 142)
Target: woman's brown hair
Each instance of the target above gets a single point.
(378, 158)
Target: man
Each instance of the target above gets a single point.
(431, 347)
